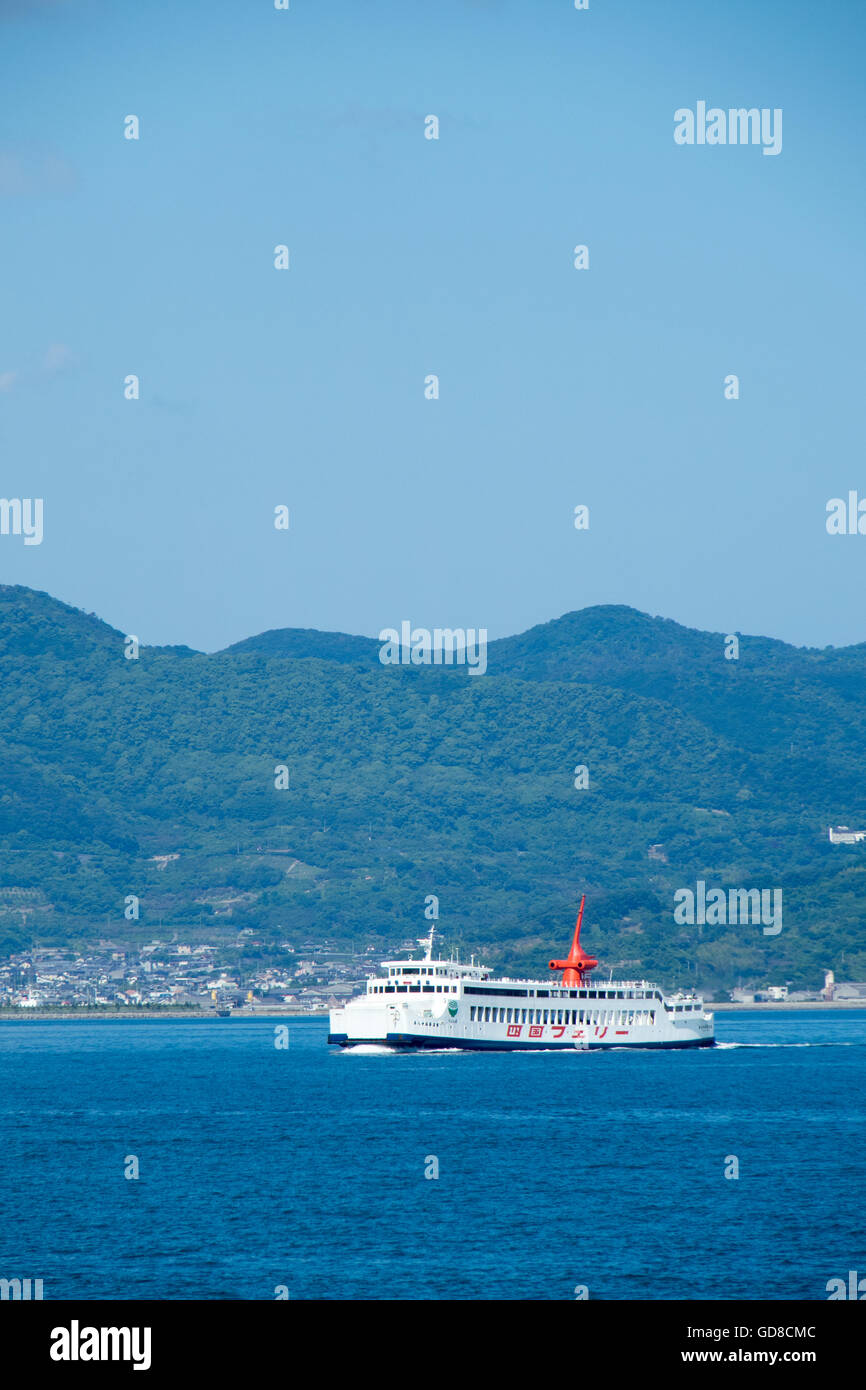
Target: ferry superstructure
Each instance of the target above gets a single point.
(431, 1003)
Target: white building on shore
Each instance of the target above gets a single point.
(844, 835)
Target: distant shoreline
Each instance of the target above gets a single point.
(143, 1014)
(83, 1014)
(765, 1006)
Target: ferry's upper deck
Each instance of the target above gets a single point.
(452, 977)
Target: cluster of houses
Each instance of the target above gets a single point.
(171, 974)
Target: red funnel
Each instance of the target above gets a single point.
(578, 962)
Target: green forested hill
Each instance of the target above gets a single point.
(410, 781)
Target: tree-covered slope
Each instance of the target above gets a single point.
(410, 781)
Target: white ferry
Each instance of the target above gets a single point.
(443, 1004)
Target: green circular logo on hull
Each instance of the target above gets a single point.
(453, 1006)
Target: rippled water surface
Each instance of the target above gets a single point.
(305, 1167)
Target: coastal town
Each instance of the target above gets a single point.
(314, 977)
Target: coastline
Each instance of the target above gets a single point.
(786, 1006)
(84, 1014)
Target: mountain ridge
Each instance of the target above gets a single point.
(38, 605)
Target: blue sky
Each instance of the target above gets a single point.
(412, 256)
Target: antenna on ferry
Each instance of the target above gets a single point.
(427, 942)
(577, 963)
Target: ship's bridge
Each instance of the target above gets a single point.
(424, 976)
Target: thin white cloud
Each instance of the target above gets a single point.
(35, 173)
(57, 358)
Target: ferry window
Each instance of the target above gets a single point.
(472, 1014)
(522, 1015)
(545, 1015)
(486, 1015)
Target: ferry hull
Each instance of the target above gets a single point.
(411, 1041)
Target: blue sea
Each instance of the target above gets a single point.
(302, 1170)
